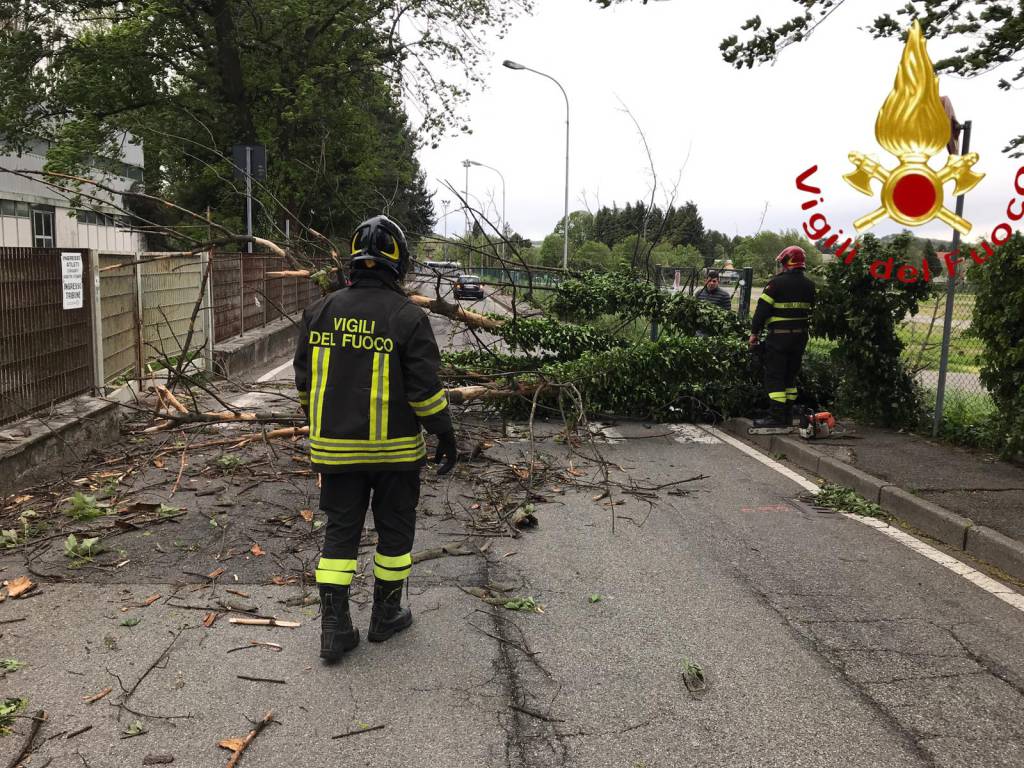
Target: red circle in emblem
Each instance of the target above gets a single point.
(914, 195)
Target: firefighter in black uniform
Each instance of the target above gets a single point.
(366, 370)
(783, 313)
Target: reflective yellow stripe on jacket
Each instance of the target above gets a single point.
(430, 406)
(380, 388)
(342, 452)
(318, 385)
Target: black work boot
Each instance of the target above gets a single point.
(388, 615)
(337, 634)
(776, 418)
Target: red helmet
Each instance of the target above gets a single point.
(792, 257)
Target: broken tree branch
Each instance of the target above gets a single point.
(238, 746)
(26, 749)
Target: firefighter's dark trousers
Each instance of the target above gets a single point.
(784, 351)
(344, 498)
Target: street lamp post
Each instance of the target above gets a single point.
(515, 65)
(502, 177)
(445, 204)
(466, 164)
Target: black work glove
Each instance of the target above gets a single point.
(447, 449)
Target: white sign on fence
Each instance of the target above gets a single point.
(71, 276)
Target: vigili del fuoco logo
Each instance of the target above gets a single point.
(914, 125)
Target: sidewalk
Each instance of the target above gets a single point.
(967, 499)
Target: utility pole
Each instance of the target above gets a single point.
(248, 197)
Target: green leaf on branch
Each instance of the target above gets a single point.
(85, 508)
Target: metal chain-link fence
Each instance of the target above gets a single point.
(922, 335)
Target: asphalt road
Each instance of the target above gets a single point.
(822, 641)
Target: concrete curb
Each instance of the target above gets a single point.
(993, 547)
(930, 518)
(948, 527)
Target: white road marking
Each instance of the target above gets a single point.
(273, 374)
(993, 587)
(800, 480)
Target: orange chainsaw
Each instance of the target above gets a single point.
(816, 425)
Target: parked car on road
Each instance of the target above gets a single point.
(468, 287)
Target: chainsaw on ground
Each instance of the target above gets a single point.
(813, 426)
(816, 425)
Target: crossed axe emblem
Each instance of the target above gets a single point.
(912, 192)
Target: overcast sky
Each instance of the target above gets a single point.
(748, 133)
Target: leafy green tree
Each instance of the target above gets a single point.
(320, 83)
(686, 226)
(592, 255)
(604, 226)
(861, 313)
(630, 252)
(760, 250)
(999, 322)
(581, 228)
(552, 251)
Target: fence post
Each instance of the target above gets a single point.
(657, 287)
(241, 295)
(140, 325)
(206, 263)
(746, 287)
(99, 379)
(947, 320)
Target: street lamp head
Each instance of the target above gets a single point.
(512, 64)
(466, 163)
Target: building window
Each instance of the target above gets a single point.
(98, 218)
(42, 228)
(14, 208)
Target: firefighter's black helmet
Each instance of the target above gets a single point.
(380, 241)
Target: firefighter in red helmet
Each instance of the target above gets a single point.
(782, 315)
(366, 371)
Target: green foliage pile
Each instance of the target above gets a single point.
(679, 376)
(699, 367)
(674, 378)
(589, 296)
(843, 499)
(861, 314)
(999, 322)
(565, 339)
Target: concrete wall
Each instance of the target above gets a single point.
(72, 430)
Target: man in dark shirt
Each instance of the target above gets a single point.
(713, 294)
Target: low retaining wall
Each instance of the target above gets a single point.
(240, 355)
(32, 448)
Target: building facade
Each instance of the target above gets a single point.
(33, 215)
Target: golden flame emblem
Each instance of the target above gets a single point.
(913, 126)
